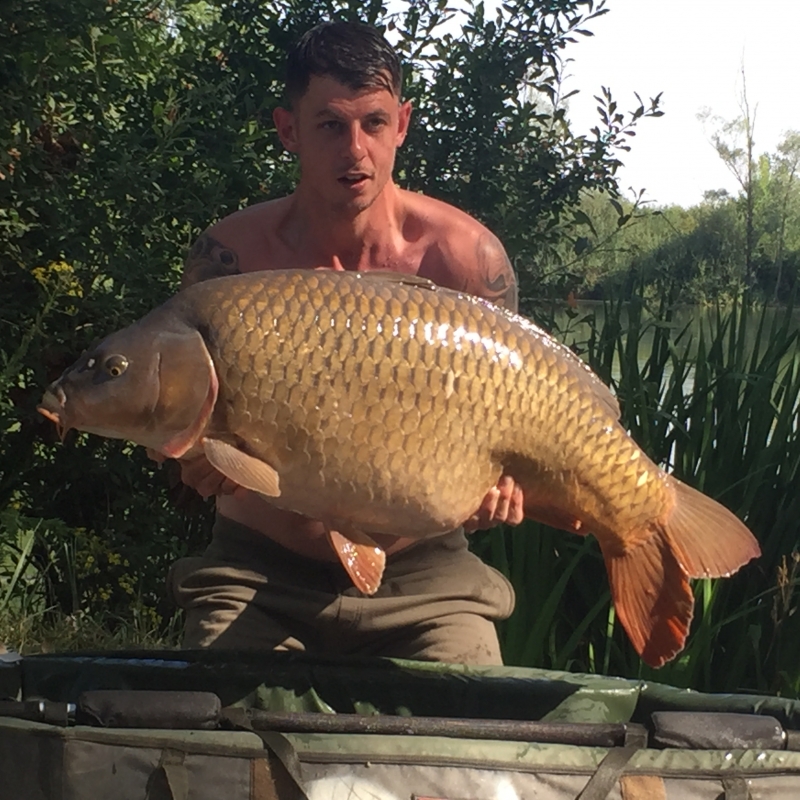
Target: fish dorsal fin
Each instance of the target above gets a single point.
(361, 557)
(242, 469)
(387, 276)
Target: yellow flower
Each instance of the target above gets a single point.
(59, 277)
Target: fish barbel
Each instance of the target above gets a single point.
(380, 403)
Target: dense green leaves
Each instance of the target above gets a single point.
(128, 127)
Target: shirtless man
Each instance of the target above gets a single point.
(270, 578)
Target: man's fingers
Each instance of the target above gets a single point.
(516, 511)
(503, 503)
(482, 518)
(204, 479)
(155, 455)
(505, 489)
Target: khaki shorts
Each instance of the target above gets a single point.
(438, 601)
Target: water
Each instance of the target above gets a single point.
(688, 322)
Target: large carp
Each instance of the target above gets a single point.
(379, 403)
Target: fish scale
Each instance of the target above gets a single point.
(427, 487)
(380, 403)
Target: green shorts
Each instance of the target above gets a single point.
(438, 601)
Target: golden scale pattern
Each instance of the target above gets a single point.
(407, 401)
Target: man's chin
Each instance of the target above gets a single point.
(355, 205)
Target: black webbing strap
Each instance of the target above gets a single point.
(607, 774)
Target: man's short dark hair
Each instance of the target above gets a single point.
(352, 53)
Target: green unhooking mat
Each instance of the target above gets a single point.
(185, 725)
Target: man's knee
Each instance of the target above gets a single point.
(220, 610)
(462, 638)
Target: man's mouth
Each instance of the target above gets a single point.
(354, 179)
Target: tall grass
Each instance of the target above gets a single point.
(721, 413)
(30, 624)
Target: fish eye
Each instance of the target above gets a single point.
(115, 365)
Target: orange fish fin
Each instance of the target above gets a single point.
(247, 471)
(708, 540)
(652, 598)
(363, 560)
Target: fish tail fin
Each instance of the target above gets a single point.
(650, 582)
(708, 540)
(652, 598)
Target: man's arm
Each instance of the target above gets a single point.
(208, 258)
(493, 276)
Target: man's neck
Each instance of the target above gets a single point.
(357, 239)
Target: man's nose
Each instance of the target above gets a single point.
(355, 141)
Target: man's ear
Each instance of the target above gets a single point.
(286, 126)
(403, 120)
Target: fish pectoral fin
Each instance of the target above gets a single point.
(652, 598)
(361, 557)
(250, 472)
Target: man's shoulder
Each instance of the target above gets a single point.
(248, 221)
(462, 252)
(443, 220)
(233, 244)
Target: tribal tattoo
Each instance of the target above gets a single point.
(208, 258)
(498, 283)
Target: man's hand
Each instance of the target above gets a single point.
(503, 503)
(204, 479)
(198, 473)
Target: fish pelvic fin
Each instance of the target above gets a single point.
(652, 598)
(241, 468)
(361, 557)
(708, 540)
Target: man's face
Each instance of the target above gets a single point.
(345, 139)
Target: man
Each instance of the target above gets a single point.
(270, 578)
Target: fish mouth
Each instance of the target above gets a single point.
(52, 408)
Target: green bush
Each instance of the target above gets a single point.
(128, 127)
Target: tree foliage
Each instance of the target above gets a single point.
(127, 127)
(700, 254)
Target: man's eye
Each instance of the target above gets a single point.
(374, 125)
(330, 125)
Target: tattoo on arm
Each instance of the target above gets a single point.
(498, 284)
(208, 258)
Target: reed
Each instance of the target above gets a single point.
(719, 409)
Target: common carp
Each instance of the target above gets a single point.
(380, 403)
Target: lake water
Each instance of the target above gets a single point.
(691, 319)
